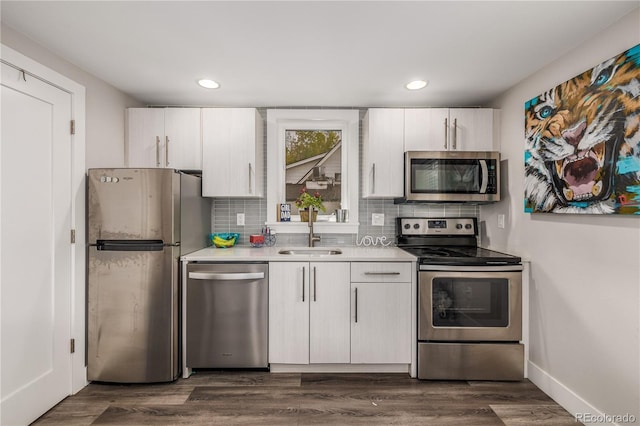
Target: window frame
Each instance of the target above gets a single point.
(347, 121)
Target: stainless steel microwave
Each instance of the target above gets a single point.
(452, 176)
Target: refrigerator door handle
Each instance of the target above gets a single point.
(130, 245)
(226, 276)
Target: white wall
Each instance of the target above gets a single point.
(105, 104)
(585, 270)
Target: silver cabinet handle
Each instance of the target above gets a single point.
(382, 273)
(446, 132)
(356, 304)
(166, 151)
(455, 133)
(303, 282)
(314, 283)
(221, 276)
(250, 186)
(157, 151)
(373, 178)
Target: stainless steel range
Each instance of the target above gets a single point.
(469, 302)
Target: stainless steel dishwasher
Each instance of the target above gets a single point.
(227, 315)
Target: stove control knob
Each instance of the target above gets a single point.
(467, 226)
(407, 226)
(459, 226)
(416, 225)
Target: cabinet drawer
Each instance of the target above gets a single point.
(362, 272)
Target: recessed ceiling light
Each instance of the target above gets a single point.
(416, 85)
(208, 84)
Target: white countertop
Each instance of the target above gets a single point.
(270, 254)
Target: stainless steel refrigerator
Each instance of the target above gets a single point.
(139, 223)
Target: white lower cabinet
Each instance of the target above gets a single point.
(381, 325)
(309, 312)
(381, 328)
(340, 312)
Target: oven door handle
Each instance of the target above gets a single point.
(480, 268)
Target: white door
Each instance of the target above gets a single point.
(35, 251)
(383, 155)
(229, 151)
(381, 325)
(426, 129)
(473, 129)
(146, 143)
(289, 312)
(183, 140)
(329, 313)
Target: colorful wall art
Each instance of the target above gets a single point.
(582, 152)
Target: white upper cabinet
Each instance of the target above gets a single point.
(232, 149)
(382, 153)
(426, 129)
(451, 129)
(164, 137)
(472, 129)
(388, 132)
(145, 137)
(183, 136)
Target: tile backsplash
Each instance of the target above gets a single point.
(224, 211)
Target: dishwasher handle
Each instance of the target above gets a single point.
(221, 276)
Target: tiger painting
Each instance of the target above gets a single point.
(582, 152)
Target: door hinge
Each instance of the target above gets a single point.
(73, 127)
(73, 346)
(73, 236)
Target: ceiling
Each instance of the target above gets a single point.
(312, 53)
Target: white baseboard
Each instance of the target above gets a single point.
(340, 368)
(560, 393)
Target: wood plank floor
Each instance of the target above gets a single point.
(262, 398)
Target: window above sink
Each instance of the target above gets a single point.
(334, 173)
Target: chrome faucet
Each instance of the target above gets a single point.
(312, 238)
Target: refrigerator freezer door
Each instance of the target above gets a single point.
(133, 204)
(132, 315)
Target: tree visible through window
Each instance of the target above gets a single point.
(314, 160)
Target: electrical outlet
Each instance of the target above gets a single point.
(501, 221)
(377, 219)
(240, 219)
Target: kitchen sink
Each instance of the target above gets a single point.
(311, 252)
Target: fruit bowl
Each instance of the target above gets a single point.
(224, 239)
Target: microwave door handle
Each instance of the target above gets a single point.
(485, 176)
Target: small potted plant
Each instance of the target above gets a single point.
(306, 201)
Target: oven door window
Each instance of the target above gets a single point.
(436, 176)
(470, 302)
